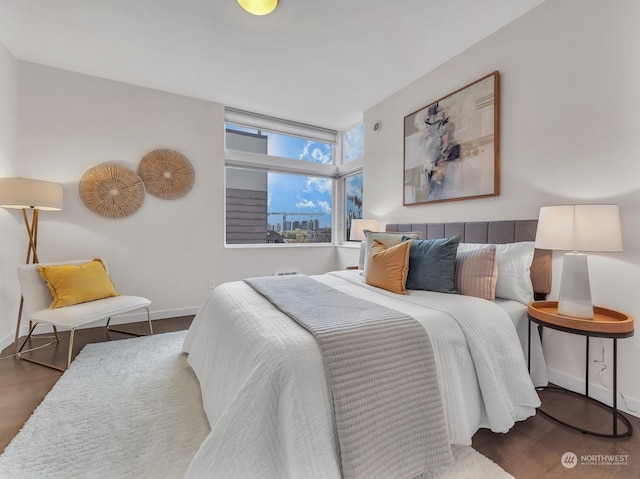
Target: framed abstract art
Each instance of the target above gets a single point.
(451, 146)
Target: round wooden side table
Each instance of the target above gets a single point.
(607, 323)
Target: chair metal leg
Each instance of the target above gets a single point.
(109, 328)
(32, 327)
(71, 336)
(42, 363)
(16, 344)
(19, 354)
(16, 348)
(149, 321)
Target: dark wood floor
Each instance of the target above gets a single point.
(534, 448)
(531, 449)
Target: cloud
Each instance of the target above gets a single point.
(321, 185)
(326, 207)
(316, 152)
(305, 203)
(354, 188)
(353, 143)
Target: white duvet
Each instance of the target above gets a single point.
(265, 394)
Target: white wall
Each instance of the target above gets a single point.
(570, 119)
(9, 111)
(167, 250)
(11, 225)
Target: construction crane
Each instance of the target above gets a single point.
(292, 213)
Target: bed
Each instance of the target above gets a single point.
(265, 388)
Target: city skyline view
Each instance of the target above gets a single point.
(297, 193)
(303, 195)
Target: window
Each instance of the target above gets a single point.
(280, 179)
(353, 143)
(353, 200)
(272, 207)
(351, 175)
(277, 144)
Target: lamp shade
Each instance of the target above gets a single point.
(358, 227)
(579, 228)
(259, 7)
(25, 193)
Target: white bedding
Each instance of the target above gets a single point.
(264, 387)
(518, 314)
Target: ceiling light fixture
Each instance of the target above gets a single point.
(259, 7)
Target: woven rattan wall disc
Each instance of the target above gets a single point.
(166, 174)
(111, 190)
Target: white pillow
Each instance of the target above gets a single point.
(514, 269)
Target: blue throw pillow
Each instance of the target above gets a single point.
(432, 264)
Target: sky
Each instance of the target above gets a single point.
(296, 193)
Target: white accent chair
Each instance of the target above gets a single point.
(36, 308)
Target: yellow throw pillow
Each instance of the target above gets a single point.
(387, 267)
(77, 283)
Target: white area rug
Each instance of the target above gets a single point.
(470, 464)
(124, 409)
(132, 409)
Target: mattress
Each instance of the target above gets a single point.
(265, 391)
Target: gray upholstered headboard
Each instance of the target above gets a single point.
(492, 232)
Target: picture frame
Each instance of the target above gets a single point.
(451, 146)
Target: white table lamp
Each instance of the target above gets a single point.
(359, 226)
(577, 228)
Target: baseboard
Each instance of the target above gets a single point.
(123, 319)
(597, 391)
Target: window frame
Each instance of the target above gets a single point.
(344, 170)
(277, 164)
(343, 181)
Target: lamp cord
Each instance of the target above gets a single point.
(603, 368)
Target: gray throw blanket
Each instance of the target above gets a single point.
(382, 376)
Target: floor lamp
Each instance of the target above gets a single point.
(29, 196)
(578, 228)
